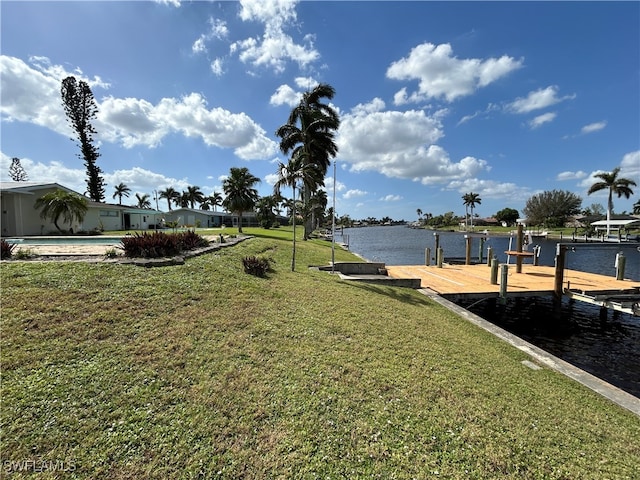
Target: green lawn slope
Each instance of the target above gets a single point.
(202, 371)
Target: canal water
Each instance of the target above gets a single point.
(608, 348)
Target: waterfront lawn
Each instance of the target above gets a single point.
(203, 371)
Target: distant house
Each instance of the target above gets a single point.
(191, 217)
(20, 218)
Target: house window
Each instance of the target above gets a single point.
(109, 213)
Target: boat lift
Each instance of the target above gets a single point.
(614, 300)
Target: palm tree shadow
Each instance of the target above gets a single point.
(401, 294)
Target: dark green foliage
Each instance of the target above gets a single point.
(17, 171)
(508, 215)
(6, 249)
(160, 244)
(258, 266)
(552, 208)
(80, 108)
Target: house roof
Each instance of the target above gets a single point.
(626, 223)
(29, 188)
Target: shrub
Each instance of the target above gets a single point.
(190, 240)
(257, 266)
(6, 249)
(160, 244)
(24, 253)
(150, 245)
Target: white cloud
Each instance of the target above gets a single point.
(285, 95)
(349, 194)
(217, 67)
(593, 127)
(490, 189)
(33, 95)
(571, 175)
(538, 99)
(400, 145)
(391, 198)
(175, 3)
(275, 47)
(542, 119)
(442, 75)
(218, 29)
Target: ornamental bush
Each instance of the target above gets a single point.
(160, 244)
(6, 249)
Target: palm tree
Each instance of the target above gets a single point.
(309, 135)
(318, 206)
(419, 212)
(471, 200)
(636, 208)
(171, 194)
(216, 200)
(239, 191)
(61, 203)
(143, 200)
(465, 202)
(121, 190)
(289, 175)
(195, 195)
(611, 182)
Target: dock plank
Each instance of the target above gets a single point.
(476, 279)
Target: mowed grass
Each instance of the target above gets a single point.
(202, 371)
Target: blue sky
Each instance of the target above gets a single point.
(436, 99)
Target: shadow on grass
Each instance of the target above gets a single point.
(401, 294)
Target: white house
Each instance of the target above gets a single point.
(20, 217)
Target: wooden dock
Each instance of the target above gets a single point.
(474, 281)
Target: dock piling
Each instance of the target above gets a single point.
(439, 257)
(427, 256)
(489, 256)
(494, 271)
(504, 275)
(621, 262)
(467, 251)
(561, 251)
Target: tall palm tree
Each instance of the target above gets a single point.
(465, 202)
(419, 212)
(289, 175)
(474, 199)
(61, 203)
(171, 195)
(121, 190)
(241, 195)
(619, 186)
(143, 200)
(318, 206)
(309, 136)
(195, 195)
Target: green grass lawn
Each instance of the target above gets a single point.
(202, 371)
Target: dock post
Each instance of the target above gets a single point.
(519, 242)
(439, 257)
(504, 274)
(467, 250)
(494, 271)
(620, 264)
(489, 256)
(480, 250)
(427, 256)
(536, 255)
(436, 235)
(561, 251)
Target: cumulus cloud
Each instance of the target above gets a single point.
(442, 75)
(32, 94)
(538, 99)
(349, 194)
(488, 189)
(629, 168)
(399, 145)
(275, 47)
(391, 198)
(218, 30)
(593, 127)
(542, 119)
